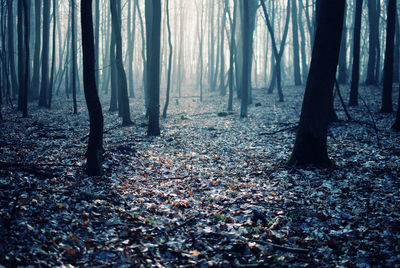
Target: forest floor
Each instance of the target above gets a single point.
(210, 191)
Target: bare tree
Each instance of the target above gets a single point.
(95, 146)
(311, 139)
(169, 61)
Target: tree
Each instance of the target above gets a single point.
(232, 51)
(36, 58)
(355, 75)
(95, 146)
(45, 54)
(169, 61)
(342, 75)
(23, 56)
(373, 59)
(11, 52)
(389, 53)
(153, 29)
(276, 75)
(311, 140)
(73, 55)
(123, 98)
(246, 59)
(53, 59)
(296, 48)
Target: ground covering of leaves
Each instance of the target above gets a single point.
(212, 190)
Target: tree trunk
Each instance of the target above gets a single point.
(123, 87)
(388, 65)
(11, 52)
(153, 28)
(53, 59)
(373, 19)
(232, 49)
(36, 57)
(73, 55)
(355, 76)
(311, 139)
(296, 48)
(95, 146)
(246, 58)
(169, 61)
(343, 76)
(45, 54)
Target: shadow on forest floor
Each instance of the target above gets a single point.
(209, 191)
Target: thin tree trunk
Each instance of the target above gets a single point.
(36, 57)
(45, 54)
(296, 48)
(169, 61)
(73, 55)
(53, 59)
(356, 55)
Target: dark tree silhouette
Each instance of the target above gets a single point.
(45, 54)
(36, 58)
(153, 28)
(246, 59)
(311, 140)
(95, 146)
(355, 75)
(389, 53)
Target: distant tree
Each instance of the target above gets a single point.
(53, 58)
(95, 146)
(355, 76)
(311, 139)
(169, 61)
(342, 74)
(246, 59)
(23, 56)
(11, 50)
(113, 75)
(374, 51)
(123, 98)
(389, 53)
(277, 74)
(73, 54)
(36, 58)
(296, 47)
(45, 54)
(232, 54)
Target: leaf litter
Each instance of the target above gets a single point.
(212, 190)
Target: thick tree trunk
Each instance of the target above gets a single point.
(355, 76)
(153, 28)
(388, 65)
(95, 146)
(311, 139)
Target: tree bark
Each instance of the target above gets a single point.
(36, 57)
(355, 76)
(95, 146)
(296, 48)
(388, 64)
(153, 28)
(45, 54)
(311, 139)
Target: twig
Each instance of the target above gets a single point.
(373, 120)
(341, 100)
(280, 247)
(278, 131)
